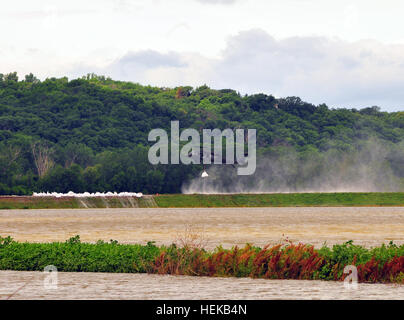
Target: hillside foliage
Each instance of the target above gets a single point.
(90, 134)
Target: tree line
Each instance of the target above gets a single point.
(90, 134)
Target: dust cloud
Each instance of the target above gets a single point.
(366, 166)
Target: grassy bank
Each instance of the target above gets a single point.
(218, 200)
(288, 261)
(26, 202)
(281, 200)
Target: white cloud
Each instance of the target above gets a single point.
(145, 62)
(149, 59)
(217, 1)
(318, 69)
(310, 48)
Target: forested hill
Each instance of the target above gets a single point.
(90, 134)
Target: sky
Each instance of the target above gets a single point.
(343, 53)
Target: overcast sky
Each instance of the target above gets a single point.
(343, 53)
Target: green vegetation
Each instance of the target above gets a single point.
(289, 261)
(90, 134)
(37, 203)
(211, 200)
(23, 202)
(75, 256)
(281, 200)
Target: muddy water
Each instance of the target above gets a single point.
(227, 226)
(369, 226)
(30, 285)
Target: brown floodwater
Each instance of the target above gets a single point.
(368, 226)
(78, 285)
